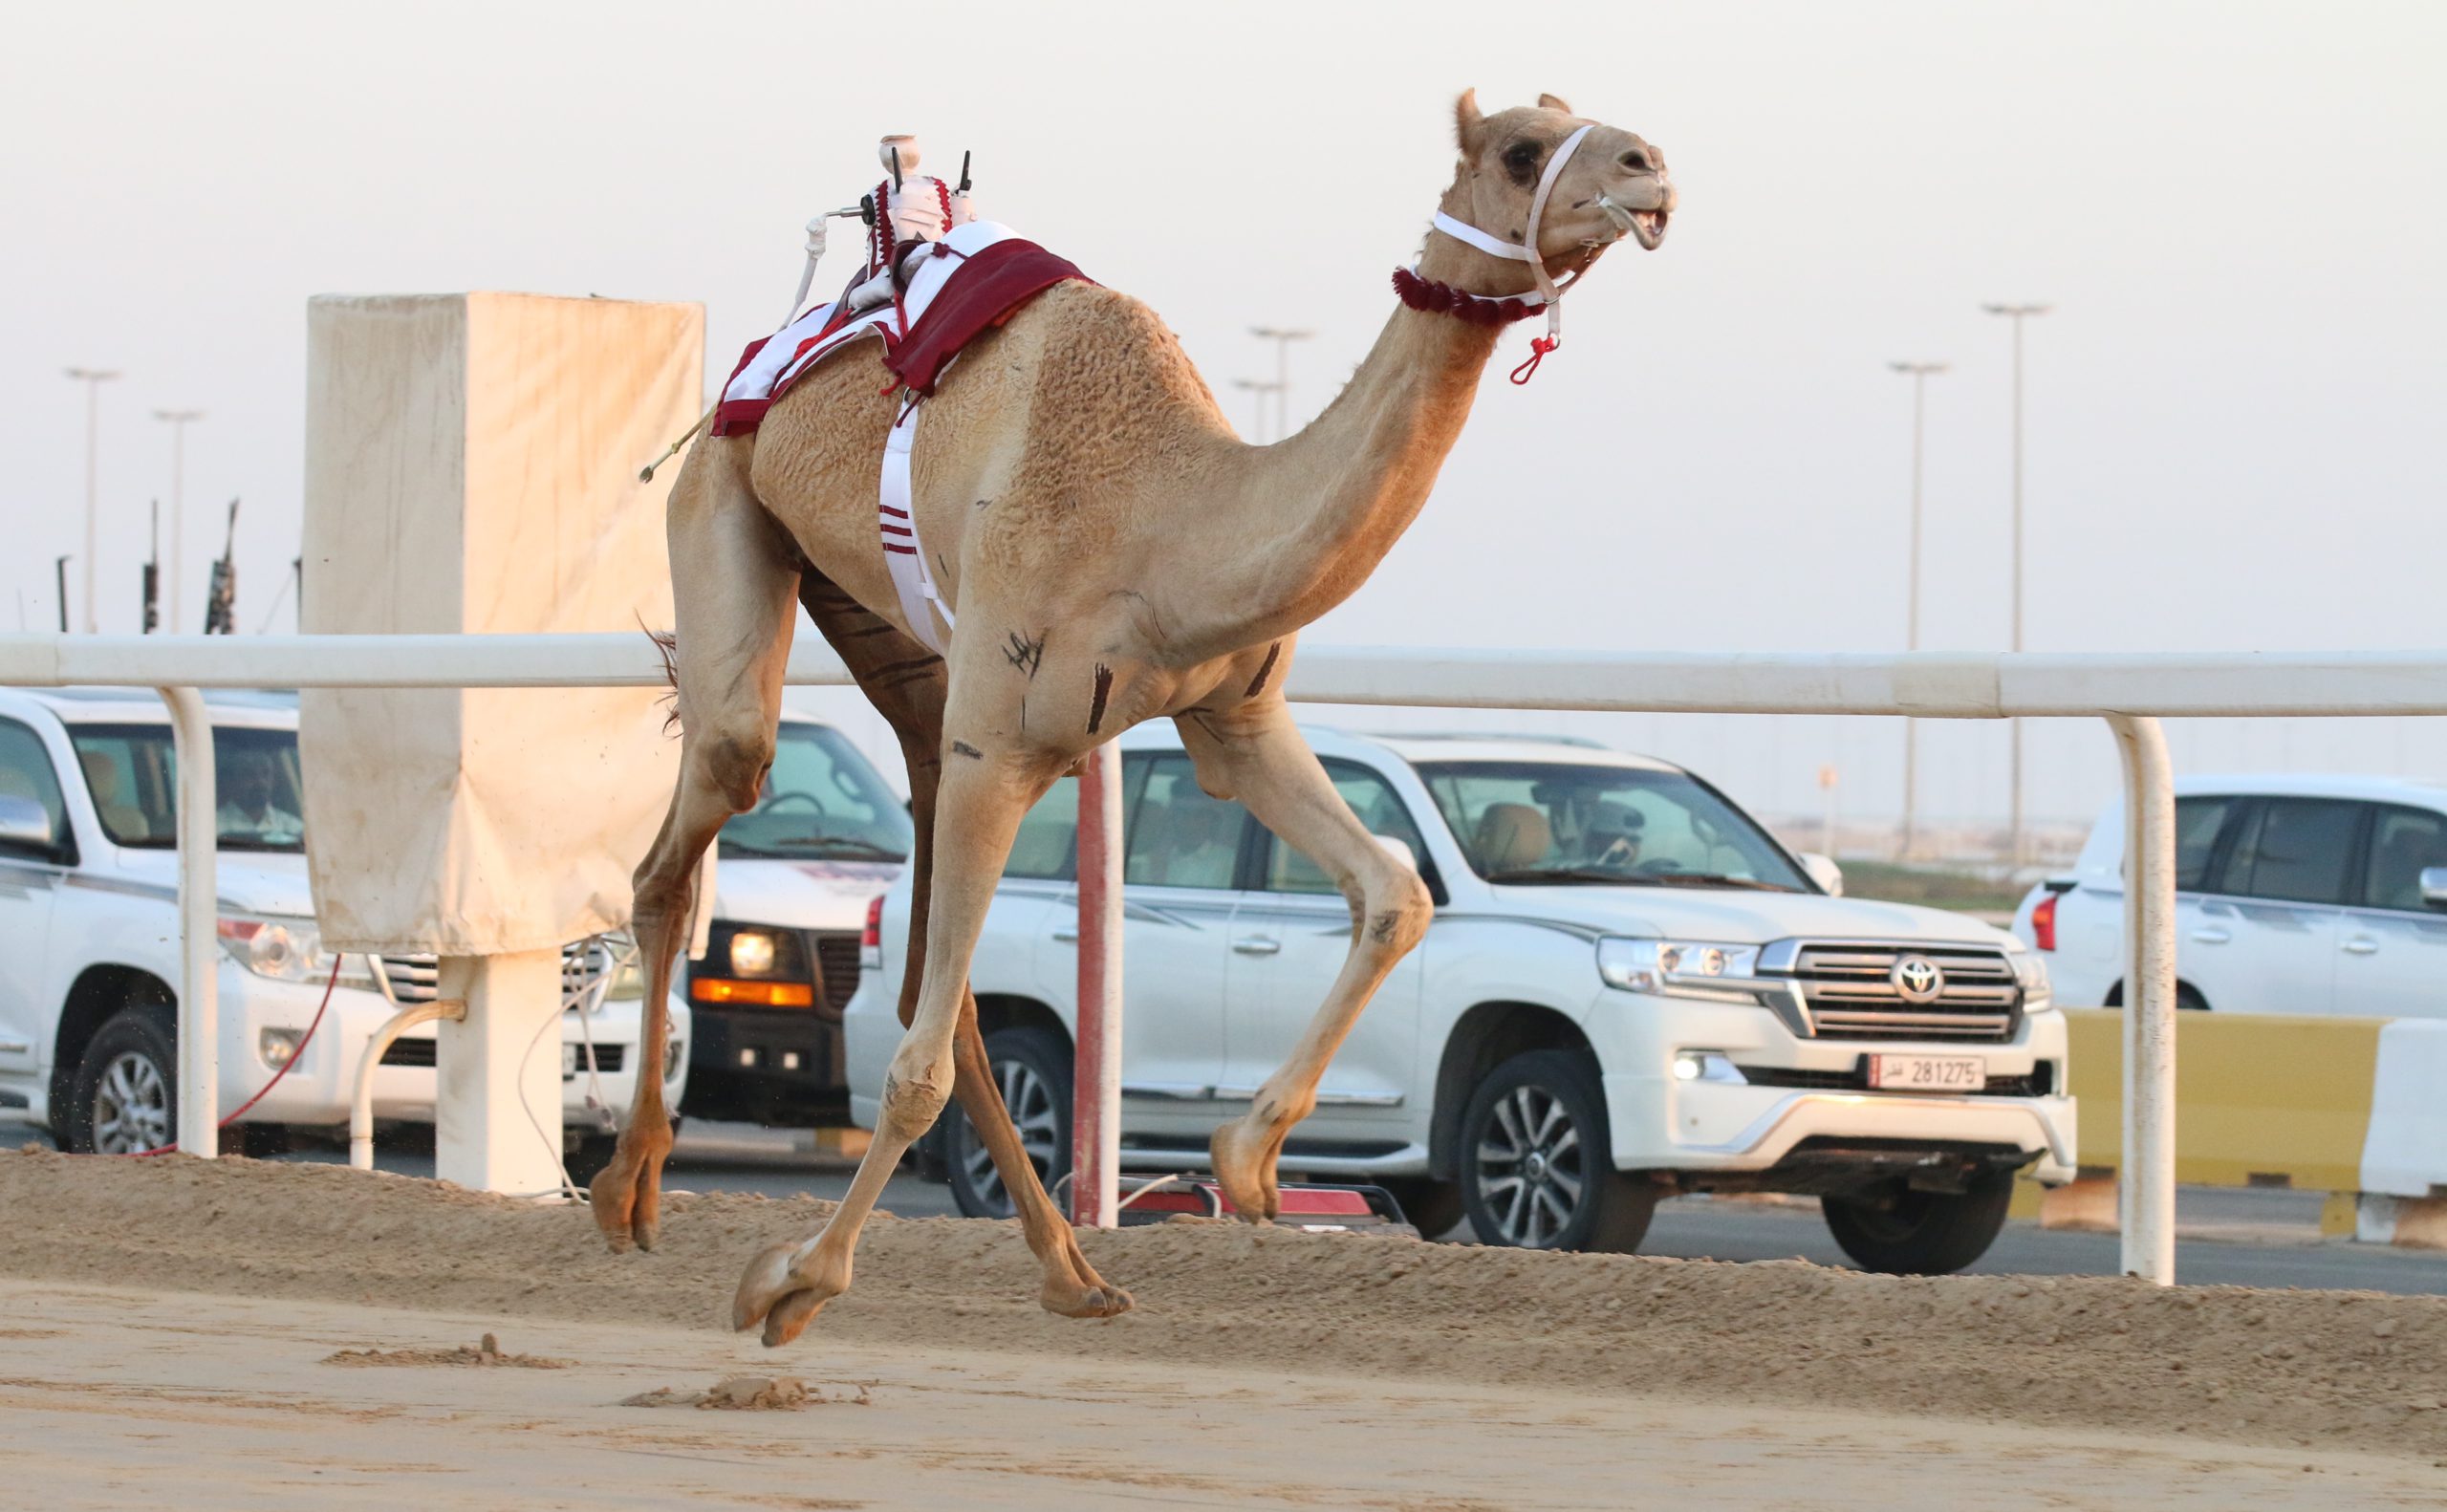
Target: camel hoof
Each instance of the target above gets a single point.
(791, 1315)
(1102, 1301)
(765, 1282)
(1247, 1178)
(612, 1197)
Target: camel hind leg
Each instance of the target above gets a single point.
(907, 684)
(733, 576)
(1255, 753)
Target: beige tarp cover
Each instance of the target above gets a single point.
(471, 465)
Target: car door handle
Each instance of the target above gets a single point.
(1066, 933)
(2212, 936)
(2362, 945)
(1257, 945)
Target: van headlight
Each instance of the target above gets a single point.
(1687, 968)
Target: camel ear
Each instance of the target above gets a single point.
(1466, 118)
(1553, 102)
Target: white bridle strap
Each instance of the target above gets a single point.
(1525, 250)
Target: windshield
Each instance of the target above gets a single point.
(821, 802)
(1555, 821)
(132, 772)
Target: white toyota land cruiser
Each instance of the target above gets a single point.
(89, 943)
(1629, 990)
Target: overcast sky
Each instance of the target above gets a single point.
(2232, 415)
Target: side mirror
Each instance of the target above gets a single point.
(26, 824)
(2434, 887)
(1401, 851)
(1824, 871)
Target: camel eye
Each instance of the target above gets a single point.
(1521, 161)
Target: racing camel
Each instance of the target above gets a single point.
(1116, 553)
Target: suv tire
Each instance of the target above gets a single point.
(1032, 1068)
(125, 1095)
(1923, 1233)
(1537, 1172)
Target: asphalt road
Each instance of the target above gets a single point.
(2224, 1237)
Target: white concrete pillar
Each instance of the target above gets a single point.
(500, 1073)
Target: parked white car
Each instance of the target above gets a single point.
(793, 883)
(89, 941)
(2293, 895)
(1629, 990)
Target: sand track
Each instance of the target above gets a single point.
(2338, 1371)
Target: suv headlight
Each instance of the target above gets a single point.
(1687, 968)
(284, 950)
(2031, 973)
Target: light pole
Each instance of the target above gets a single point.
(92, 378)
(1260, 388)
(2017, 314)
(1918, 372)
(1281, 337)
(177, 420)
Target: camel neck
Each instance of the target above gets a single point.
(1318, 511)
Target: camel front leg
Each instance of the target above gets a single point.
(907, 684)
(1255, 753)
(978, 806)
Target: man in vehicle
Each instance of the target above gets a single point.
(1589, 830)
(250, 788)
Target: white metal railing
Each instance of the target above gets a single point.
(2129, 691)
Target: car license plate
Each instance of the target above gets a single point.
(1928, 1073)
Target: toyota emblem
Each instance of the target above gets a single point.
(1916, 979)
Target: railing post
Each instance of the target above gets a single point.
(199, 1130)
(1096, 1097)
(2146, 1191)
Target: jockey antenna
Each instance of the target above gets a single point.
(899, 154)
(964, 175)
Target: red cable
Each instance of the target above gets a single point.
(295, 1056)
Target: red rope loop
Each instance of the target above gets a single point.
(1538, 347)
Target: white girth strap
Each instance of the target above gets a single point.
(904, 553)
(1549, 292)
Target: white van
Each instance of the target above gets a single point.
(2293, 895)
(793, 880)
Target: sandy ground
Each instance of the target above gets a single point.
(124, 1399)
(1262, 1367)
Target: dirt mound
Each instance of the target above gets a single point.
(748, 1393)
(2330, 1368)
(483, 1354)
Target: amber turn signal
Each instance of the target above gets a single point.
(758, 994)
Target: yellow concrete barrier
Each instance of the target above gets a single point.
(2261, 1099)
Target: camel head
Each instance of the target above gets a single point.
(1614, 184)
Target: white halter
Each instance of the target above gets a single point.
(1549, 292)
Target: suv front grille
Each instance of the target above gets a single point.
(1850, 991)
(837, 964)
(415, 977)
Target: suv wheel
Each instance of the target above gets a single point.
(1032, 1068)
(124, 1097)
(1907, 1233)
(1534, 1163)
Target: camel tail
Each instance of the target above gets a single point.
(666, 645)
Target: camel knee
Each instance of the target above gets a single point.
(914, 1097)
(734, 756)
(1395, 912)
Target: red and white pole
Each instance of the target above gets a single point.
(1096, 1099)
